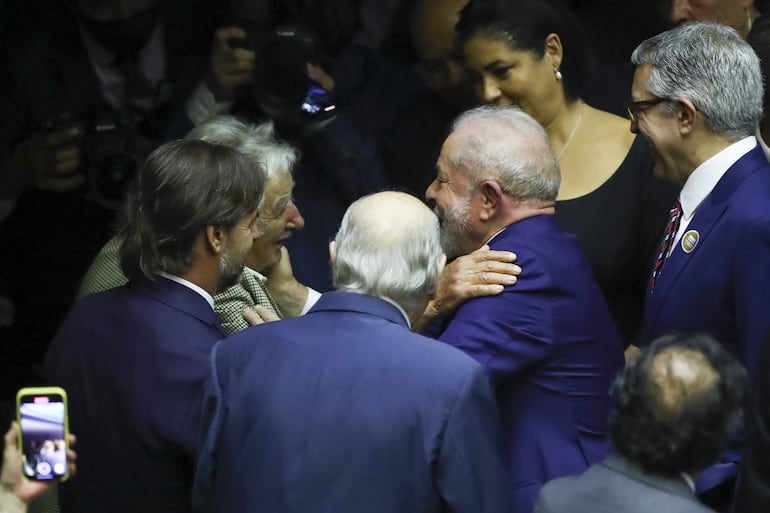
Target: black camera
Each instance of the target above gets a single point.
(111, 156)
(108, 149)
(282, 87)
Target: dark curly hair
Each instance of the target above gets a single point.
(676, 401)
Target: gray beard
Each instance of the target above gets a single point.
(228, 272)
(454, 225)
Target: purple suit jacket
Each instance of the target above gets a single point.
(552, 349)
(722, 286)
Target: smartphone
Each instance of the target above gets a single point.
(43, 432)
(318, 103)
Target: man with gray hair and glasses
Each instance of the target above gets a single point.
(697, 98)
(346, 409)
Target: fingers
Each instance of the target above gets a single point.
(12, 433)
(67, 160)
(251, 317)
(267, 315)
(497, 278)
(485, 254)
(232, 65)
(258, 315)
(319, 75)
(484, 267)
(62, 137)
(52, 159)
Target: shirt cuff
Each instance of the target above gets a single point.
(202, 105)
(312, 297)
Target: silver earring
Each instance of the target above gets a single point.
(557, 74)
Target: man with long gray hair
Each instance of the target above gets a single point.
(697, 95)
(346, 409)
(548, 341)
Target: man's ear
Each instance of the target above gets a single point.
(686, 114)
(333, 252)
(492, 196)
(215, 238)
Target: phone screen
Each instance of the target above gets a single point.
(42, 419)
(318, 102)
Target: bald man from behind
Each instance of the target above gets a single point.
(345, 408)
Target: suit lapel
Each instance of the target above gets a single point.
(706, 217)
(184, 299)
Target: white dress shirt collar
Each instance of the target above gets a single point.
(705, 177)
(189, 285)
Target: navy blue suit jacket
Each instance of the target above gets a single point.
(342, 410)
(133, 361)
(722, 286)
(552, 349)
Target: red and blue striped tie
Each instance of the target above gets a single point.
(674, 216)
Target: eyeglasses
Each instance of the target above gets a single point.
(634, 108)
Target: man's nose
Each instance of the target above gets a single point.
(295, 221)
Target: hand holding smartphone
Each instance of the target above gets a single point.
(43, 432)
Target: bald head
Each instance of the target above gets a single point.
(676, 375)
(388, 247)
(389, 218)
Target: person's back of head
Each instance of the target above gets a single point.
(508, 146)
(713, 67)
(183, 187)
(676, 401)
(388, 247)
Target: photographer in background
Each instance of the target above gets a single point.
(87, 89)
(299, 49)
